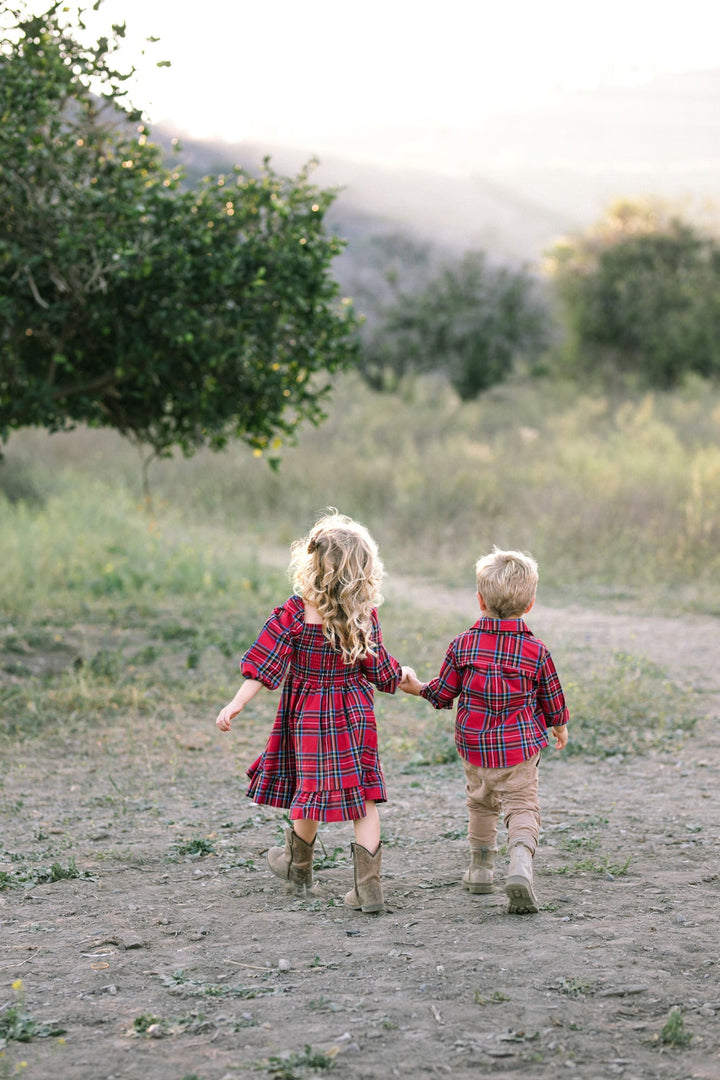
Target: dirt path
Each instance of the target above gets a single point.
(165, 965)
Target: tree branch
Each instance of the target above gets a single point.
(34, 289)
(102, 383)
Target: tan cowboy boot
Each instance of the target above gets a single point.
(518, 885)
(478, 878)
(294, 862)
(367, 895)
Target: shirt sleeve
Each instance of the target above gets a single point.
(442, 691)
(550, 695)
(268, 657)
(381, 669)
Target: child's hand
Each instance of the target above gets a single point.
(246, 693)
(225, 716)
(560, 734)
(410, 682)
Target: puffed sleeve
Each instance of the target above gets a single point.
(268, 657)
(382, 669)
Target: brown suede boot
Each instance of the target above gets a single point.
(367, 895)
(294, 862)
(478, 878)
(519, 886)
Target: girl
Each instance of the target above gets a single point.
(321, 760)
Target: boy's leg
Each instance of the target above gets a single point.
(521, 805)
(483, 811)
(483, 805)
(522, 817)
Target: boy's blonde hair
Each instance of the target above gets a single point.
(507, 581)
(337, 568)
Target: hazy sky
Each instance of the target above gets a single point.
(333, 74)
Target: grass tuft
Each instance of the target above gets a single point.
(673, 1032)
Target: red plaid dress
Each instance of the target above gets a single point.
(321, 759)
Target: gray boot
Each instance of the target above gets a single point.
(518, 885)
(478, 878)
(294, 862)
(367, 895)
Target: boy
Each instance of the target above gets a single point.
(510, 697)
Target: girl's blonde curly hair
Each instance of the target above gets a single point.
(337, 569)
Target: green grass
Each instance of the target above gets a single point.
(18, 1025)
(112, 611)
(602, 865)
(673, 1032)
(26, 876)
(294, 1065)
(617, 499)
(625, 705)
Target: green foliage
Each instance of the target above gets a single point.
(620, 502)
(142, 1024)
(177, 316)
(626, 706)
(673, 1032)
(42, 875)
(197, 846)
(496, 997)
(59, 873)
(294, 1066)
(470, 320)
(18, 1025)
(436, 746)
(603, 865)
(642, 296)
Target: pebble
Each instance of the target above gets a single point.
(283, 965)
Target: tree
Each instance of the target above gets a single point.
(470, 320)
(179, 316)
(641, 292)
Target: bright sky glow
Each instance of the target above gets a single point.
(317, 75)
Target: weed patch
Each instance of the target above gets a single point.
(294, 1066)
(42, 875)
(628, 706)
(673, 1032)
(18, 1025)
(196, 847)
(602, 865)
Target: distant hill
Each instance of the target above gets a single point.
(518, 181)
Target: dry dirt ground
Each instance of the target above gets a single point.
(160, 963)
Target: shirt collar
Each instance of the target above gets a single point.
(503, 626)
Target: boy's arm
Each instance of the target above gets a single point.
(442, 690)
(560, 733)
(552, 702)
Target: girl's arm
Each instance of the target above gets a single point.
(246, 693)
(380, 667)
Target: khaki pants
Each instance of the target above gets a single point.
(514, 791)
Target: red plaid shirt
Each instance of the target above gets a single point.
(509, 693)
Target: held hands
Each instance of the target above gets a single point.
(410, 683)
(560, 734)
